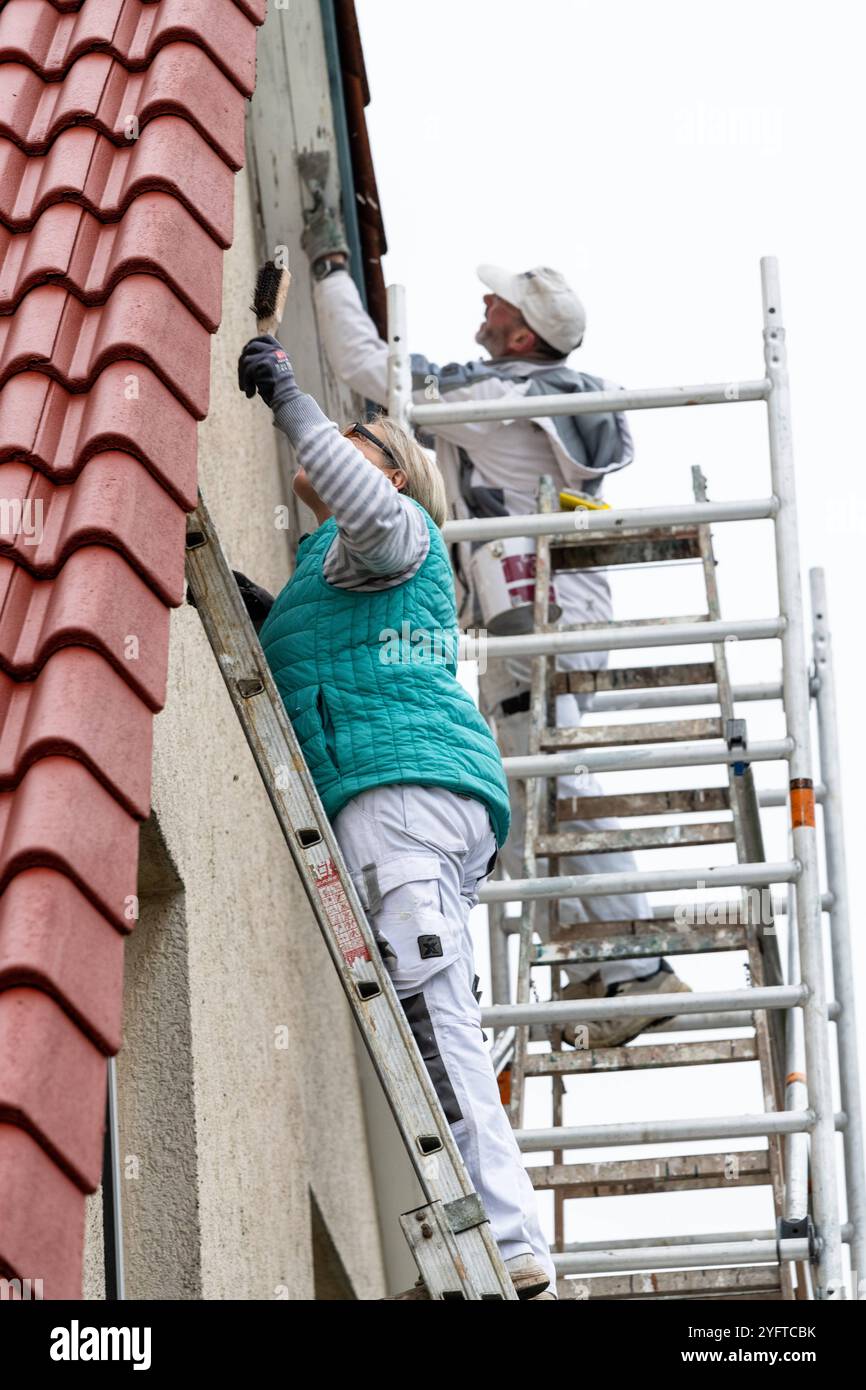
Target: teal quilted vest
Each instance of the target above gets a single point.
(369, 680)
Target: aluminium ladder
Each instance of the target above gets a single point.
(803, 1235)
(450, 1236)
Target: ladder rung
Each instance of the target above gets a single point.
(640, 549)
(692, 1023)
(741, 875)
(643, 803)
(574, 537)
(619, 678)
(583, 943)
(637, 838)
(627, 1132)
(649, 1256)
(623, 735)
(555, 1012)
(641, 1058)
(634, 1177)
(753, 1283)
(582, 1247)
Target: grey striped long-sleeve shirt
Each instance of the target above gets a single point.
(382, 537)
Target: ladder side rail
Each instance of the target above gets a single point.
(316, 854)
(796, 1145)
(840, 930)
(795, 681)
(762, 945)
(399, 364)
(534, 790)
(500, 972)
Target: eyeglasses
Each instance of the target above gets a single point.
(358, 428)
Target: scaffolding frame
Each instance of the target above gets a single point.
(816, 1117)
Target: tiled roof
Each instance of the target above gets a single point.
(121, 127)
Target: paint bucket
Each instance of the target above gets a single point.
(503, 576)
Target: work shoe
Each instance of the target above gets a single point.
(527, 1276)
(613, 1032)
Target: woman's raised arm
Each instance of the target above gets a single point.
(382, 532)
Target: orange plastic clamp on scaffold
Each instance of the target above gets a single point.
(802, 802)
(504, 1080)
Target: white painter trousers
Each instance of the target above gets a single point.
(417, 856)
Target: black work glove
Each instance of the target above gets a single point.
(257, 601)
(263, 366)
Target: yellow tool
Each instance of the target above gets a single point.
(571, 501)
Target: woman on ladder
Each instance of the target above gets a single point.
(362, 644)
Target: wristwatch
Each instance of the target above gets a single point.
(325, 266)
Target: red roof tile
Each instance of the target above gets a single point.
(61, 817)
(53, 1083)
(126, 408)
(41, 1217)
(80, 707)
(253, 9)
(141, 319)
(53, 938)
(33, 32)
(99, 91)
(71, 247)
(124, 123)
(84, 167)
(96, 601)
(115, 502)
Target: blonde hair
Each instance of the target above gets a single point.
(424, 482)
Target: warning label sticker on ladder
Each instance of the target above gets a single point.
(339, 913)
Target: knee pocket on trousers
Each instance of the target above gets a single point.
(404, 901)
(423, 942)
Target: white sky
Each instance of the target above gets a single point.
(654, 153)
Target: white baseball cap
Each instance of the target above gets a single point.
(544, 298)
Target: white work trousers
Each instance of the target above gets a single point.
(417, 856)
